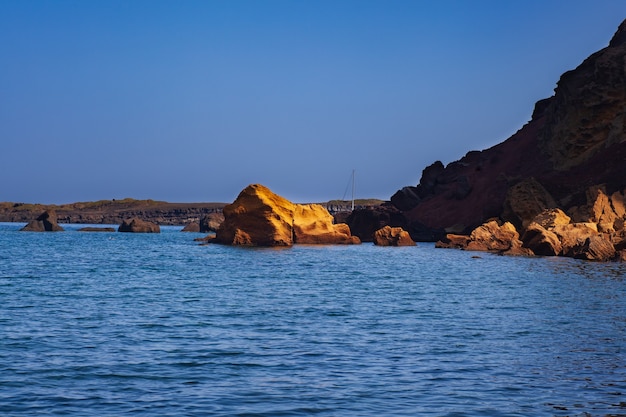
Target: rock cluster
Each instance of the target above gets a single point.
(597, 234)
(258, 217)
(45, 222)
(575, 139)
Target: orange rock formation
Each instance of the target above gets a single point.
(258, 217)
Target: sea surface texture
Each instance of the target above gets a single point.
(113, 324)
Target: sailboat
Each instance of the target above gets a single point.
(351, 184)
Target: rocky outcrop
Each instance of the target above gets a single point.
(552, 234)
(541, 241)
(524, 201)
(493, 237)
(258, 217)
(392, 236)
(575, 139)
(138, 226)
(595, 248)
(453, 241)
(313, 224)
(45, 222)
(488, 237)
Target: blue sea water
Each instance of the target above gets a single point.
(112, 324)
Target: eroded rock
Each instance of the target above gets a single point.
(453, 241)
(392, 236)
(595, 248)
(541, 241)
(258, 217)
(493, 237)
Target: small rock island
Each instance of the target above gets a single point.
(258, 217)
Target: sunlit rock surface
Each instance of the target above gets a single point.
(259, 217)
(392, 236)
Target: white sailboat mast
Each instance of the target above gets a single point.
(353, 188)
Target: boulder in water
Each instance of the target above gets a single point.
(136, 225)
(46, 222)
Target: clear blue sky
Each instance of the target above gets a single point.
(191, 101)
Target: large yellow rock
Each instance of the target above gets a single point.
(258, 217)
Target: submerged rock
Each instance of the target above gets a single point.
(96, 229)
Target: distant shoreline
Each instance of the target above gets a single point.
(116, 211)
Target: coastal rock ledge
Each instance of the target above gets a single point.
(258, 217)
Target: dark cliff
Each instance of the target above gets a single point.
(575, 139)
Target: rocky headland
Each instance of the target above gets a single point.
(570, 156)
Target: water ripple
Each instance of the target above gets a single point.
(157, 325)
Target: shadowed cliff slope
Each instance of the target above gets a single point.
(575, 139)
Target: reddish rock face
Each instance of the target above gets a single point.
(575, 139)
